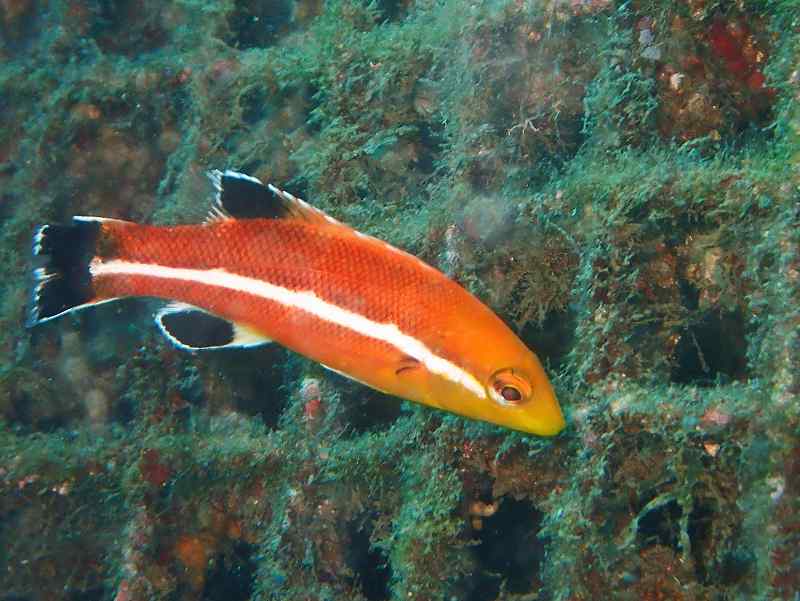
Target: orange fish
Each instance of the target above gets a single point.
(266, 266)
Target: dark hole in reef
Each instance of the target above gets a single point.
(35, 402)
(509, 551)
(711, 351)
(370, 566)
(661, 526)
(254, 377)
(392, 10)
(52, 424)
(712, 565)
(230, 576)
(308, 96)
(365, 409)
(24, 415)
(552, 339)
(254, 105)
(431, 146)
(17, 33)
(127, 27)
(298, 187)
(123, 411)
(9, 527)
(690, 295)
(555, 149)
(736, 566)
(699, 530)
(97, 593)
(478, 486)
(122, 107)
(249, 168)
(258, 23)
(146, 123)
(108, 333)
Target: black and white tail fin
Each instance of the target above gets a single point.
(62, 280)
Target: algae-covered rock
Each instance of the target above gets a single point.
(619, 181)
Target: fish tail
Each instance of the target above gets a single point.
(62, 258)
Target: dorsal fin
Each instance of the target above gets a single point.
(241, 196)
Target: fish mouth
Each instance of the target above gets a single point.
(550, 424)
(553, 427)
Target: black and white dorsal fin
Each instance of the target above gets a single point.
(241, 196)
(193, 329)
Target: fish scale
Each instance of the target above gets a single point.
(384, 287)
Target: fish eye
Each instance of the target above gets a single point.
(511, 394)
(508, 388)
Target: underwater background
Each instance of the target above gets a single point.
(619, 181)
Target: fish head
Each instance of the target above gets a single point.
(521, 397)
(507, 386)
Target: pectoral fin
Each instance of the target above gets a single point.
(408, 366)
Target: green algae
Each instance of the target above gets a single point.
(580, 201)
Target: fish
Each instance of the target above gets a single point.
(266, 266)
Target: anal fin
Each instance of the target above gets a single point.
(193, 329)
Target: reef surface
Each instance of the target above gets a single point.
(618, 180)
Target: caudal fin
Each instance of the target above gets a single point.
(62, 280)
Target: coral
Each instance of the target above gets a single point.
(618, 180)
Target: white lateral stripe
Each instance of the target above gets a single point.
(305, 301)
